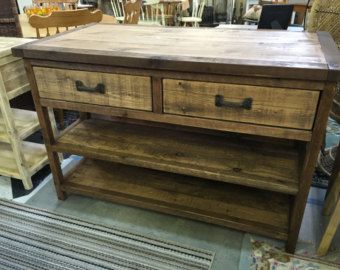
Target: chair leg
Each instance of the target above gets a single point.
(330, 231)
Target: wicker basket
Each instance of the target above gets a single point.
(325, 16)
(9, 20)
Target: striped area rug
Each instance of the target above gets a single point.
(32, 238)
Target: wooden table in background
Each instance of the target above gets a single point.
(29, 32)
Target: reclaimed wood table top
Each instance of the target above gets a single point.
(281, 54)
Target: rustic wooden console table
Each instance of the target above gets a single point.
(222, 126)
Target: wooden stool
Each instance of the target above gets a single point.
(332, 202)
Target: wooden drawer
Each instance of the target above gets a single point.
(124, 91)
(291, 108)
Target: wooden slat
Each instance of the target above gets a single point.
(124, 91)
(270, 106)
(244, 128)
(14, 75)
(223, 204)
(201, 155)
(26, 123)
(332, 55)
(49, 131)
(277, 54)
(34, 154)
(199, 75)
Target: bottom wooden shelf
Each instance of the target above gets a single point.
(35, 158)
(238, 207)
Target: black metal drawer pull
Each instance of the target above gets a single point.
(100, 88)
(245, 104)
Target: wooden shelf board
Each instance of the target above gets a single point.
(214, 202)
(18, 91)
(213, 157)
(26, 123)
(35, 157)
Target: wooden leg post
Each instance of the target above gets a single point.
(312, 152)
(48, 134)
(330, 231)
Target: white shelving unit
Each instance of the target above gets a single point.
(18, 158)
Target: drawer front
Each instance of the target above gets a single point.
(116, 90)
(281, 107)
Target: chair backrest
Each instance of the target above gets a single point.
(65, 18)
(197, 8)
(9, 20)
(67, 4)
(151, 12)
(132, 11)
(117, 8)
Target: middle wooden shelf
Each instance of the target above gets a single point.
(217, 157)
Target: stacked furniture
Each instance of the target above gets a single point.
(9, 20)
(18, 158)
(224, 130)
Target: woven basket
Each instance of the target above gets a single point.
(9, 20)
(325, 16)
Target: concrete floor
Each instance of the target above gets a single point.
(232, 247)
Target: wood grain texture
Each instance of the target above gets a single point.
(65, 18)
(251, 210)
(48, 129)
(270, 106)
(199, 75)
(34, 158)
(330, 231)
(25, 122)
(14, 75)
(123, 91)
(332, 55)
(312, 151)
(216, 51)
(220, 159)
(243, 128)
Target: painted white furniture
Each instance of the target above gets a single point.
(152, 13)
(18, 158)
(118, 10)
(196, 14)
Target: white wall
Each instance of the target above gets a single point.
(23, 3)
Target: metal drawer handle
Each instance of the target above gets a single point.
(245, 104)
(100, 88)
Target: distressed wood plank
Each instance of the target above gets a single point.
(124, 91)
(262, 53)
(223, 159)
(251, 210)
(270, 106)
(276, 132)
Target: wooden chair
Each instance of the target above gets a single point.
(132, 11)
(152, 13)
(196, 14)
(332, 202)
(9, 20)
(64, 19)
(118, 10)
